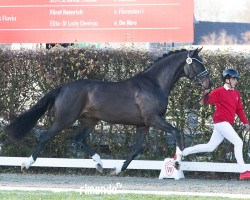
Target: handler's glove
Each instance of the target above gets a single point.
(247, 127)
(204, 92)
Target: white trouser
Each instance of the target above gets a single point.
(221, 130)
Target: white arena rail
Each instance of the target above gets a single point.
(135, 164)
(80, 163)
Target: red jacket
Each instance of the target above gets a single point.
(228, 103)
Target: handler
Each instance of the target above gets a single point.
(227, 100)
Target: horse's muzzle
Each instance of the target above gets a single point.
(204, 82)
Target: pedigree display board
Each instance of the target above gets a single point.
(70, 21)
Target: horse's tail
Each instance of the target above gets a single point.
(23, 124)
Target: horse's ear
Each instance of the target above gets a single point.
(194, 52)
(197, 51)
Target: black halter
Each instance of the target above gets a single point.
(199, 76)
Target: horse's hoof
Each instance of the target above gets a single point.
(113, 172)
(99, 168)
(177, 165)
(23, 168)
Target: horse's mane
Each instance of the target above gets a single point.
(164, 56)
(168, 54)
(160, 58)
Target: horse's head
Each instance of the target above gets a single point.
(194, 69)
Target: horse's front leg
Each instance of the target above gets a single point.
(140, 135)
(161, 124)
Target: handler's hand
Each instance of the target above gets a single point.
(204, 92)
(247, 127)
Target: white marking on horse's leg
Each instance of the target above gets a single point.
(118, 169)
(178, 154)
(97, 159)
(28, 163)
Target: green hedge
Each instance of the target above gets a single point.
(26, 75)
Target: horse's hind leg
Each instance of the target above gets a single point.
(140, 135)
(44, 138)
(64, 116)
(83, 133)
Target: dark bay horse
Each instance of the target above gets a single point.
(141, 100)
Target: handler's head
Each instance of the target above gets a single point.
(230, 77)
(230, 73)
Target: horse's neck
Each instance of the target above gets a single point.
(166, 73)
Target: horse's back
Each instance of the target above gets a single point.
(112, 102)
(108, 101)
(124, 102)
